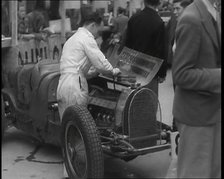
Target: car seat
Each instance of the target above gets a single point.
(41, 70)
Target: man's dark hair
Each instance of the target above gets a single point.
(121, 10)
(90, 17)
(152, 2)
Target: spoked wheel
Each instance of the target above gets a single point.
(75, 150)
(81, 145)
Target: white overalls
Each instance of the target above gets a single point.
(80, 52)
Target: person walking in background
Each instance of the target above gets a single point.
(196, 72)
(120, 22)
(146, 33)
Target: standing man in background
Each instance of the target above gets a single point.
(127, 9)
(146, 33)
(38, 18)
(120, 22)
(197, 102)
(119, 27)
(22, 20)
(178, 8)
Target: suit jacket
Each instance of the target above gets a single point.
(37, 21)
(196, 68)
(146, 33)
(120, 24)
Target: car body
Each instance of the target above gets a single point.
(121, 119)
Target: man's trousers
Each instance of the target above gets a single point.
(199, 151)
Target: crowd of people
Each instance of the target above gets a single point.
(34, 23)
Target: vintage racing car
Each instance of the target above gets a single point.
(122, 119)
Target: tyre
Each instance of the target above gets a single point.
(4, 120)
(81, 147)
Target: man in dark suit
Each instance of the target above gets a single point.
(197, 101)
(178, 8)
(146, 34)
(120, 22)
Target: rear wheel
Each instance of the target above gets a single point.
(81, 145)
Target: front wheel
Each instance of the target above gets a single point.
(81, 145)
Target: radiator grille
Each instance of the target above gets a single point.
(142, 114)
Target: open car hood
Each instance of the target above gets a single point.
(136, 67)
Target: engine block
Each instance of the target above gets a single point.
(126, 110)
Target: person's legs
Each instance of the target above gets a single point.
(216, 159)
(194, 151)
(174, 126)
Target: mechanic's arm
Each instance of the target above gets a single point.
(185, 72)
(98, 59)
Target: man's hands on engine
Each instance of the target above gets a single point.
(116, 71)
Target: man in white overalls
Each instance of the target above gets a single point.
(81, 58)
(80, 54)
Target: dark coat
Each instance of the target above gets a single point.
(146, 33)
(38, 20)
(120, 23)
(197, 68)
(171, 27)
